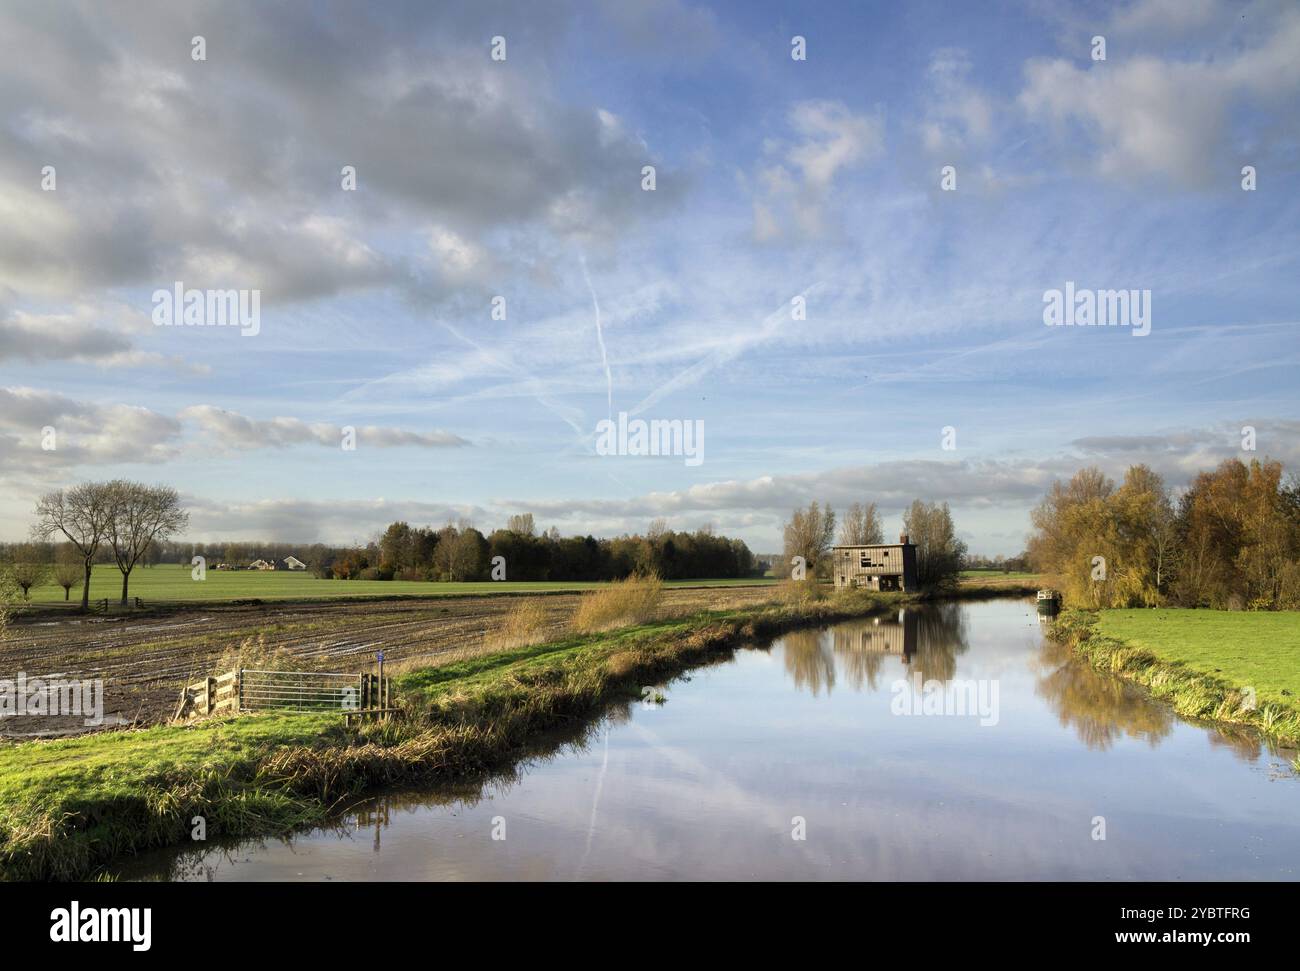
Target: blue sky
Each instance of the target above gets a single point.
(522, 178)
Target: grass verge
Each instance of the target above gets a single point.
(74, 805)
(1209, 684)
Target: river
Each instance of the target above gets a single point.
(817, 758)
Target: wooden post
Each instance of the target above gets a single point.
(211, 692)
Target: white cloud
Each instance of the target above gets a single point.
(229, 429)
(76, 335)
(308, 521)
(1154, 116)
(956, 111)
(833, 137)
(828, 138)
(1165, 16)
(84, 433)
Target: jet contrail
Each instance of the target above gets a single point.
(600, 338)
(768, 328)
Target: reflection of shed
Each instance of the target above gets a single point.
(882, 636)
(880, 567)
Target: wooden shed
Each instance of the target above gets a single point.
(889, 566)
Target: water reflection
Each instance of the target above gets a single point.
(371, 815)
(705, 786)
(928, 640)
(1099, 708)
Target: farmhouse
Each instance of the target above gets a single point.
(292, 562)
(884, 567)
(261, 565)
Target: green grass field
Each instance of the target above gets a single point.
(1256, 649)
(989, 574)
(173, 582)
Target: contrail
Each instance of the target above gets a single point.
(767, 329)
(595, 802)
(600, 338)
(517, 370)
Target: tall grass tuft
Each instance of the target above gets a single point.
(254, 653)
(524, 625)
(799, 592)
(635, 600)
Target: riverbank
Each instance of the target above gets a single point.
(1233, 668)
(73, 805)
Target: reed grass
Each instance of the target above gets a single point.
(524, 624)
(635, 600)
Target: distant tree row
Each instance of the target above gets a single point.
(452, 552)
(1231, 540)
(461, 552)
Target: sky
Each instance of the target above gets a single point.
(839, 273)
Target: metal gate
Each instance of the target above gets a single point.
(303, 691)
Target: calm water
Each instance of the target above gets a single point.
(709, 784)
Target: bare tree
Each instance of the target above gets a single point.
(521, 524)
(67, 569)
(939, 553)
(141, 515)
(82, 514)
(808, 534)
(7, 589)
(29, 567)
(862, 526)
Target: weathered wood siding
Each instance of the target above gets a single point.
(890, 566)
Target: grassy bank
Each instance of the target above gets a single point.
(72, 806)
(1201, 661)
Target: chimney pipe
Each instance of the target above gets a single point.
(902, 538)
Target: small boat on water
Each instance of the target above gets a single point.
(1049, 601)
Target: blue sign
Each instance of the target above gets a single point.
(380, 655)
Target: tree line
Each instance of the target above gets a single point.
(940, 555)
(117, 525)
(1230, 540)
(457, 552)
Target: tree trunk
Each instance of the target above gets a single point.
(126, 575)
(85, 590)
(67, 594)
